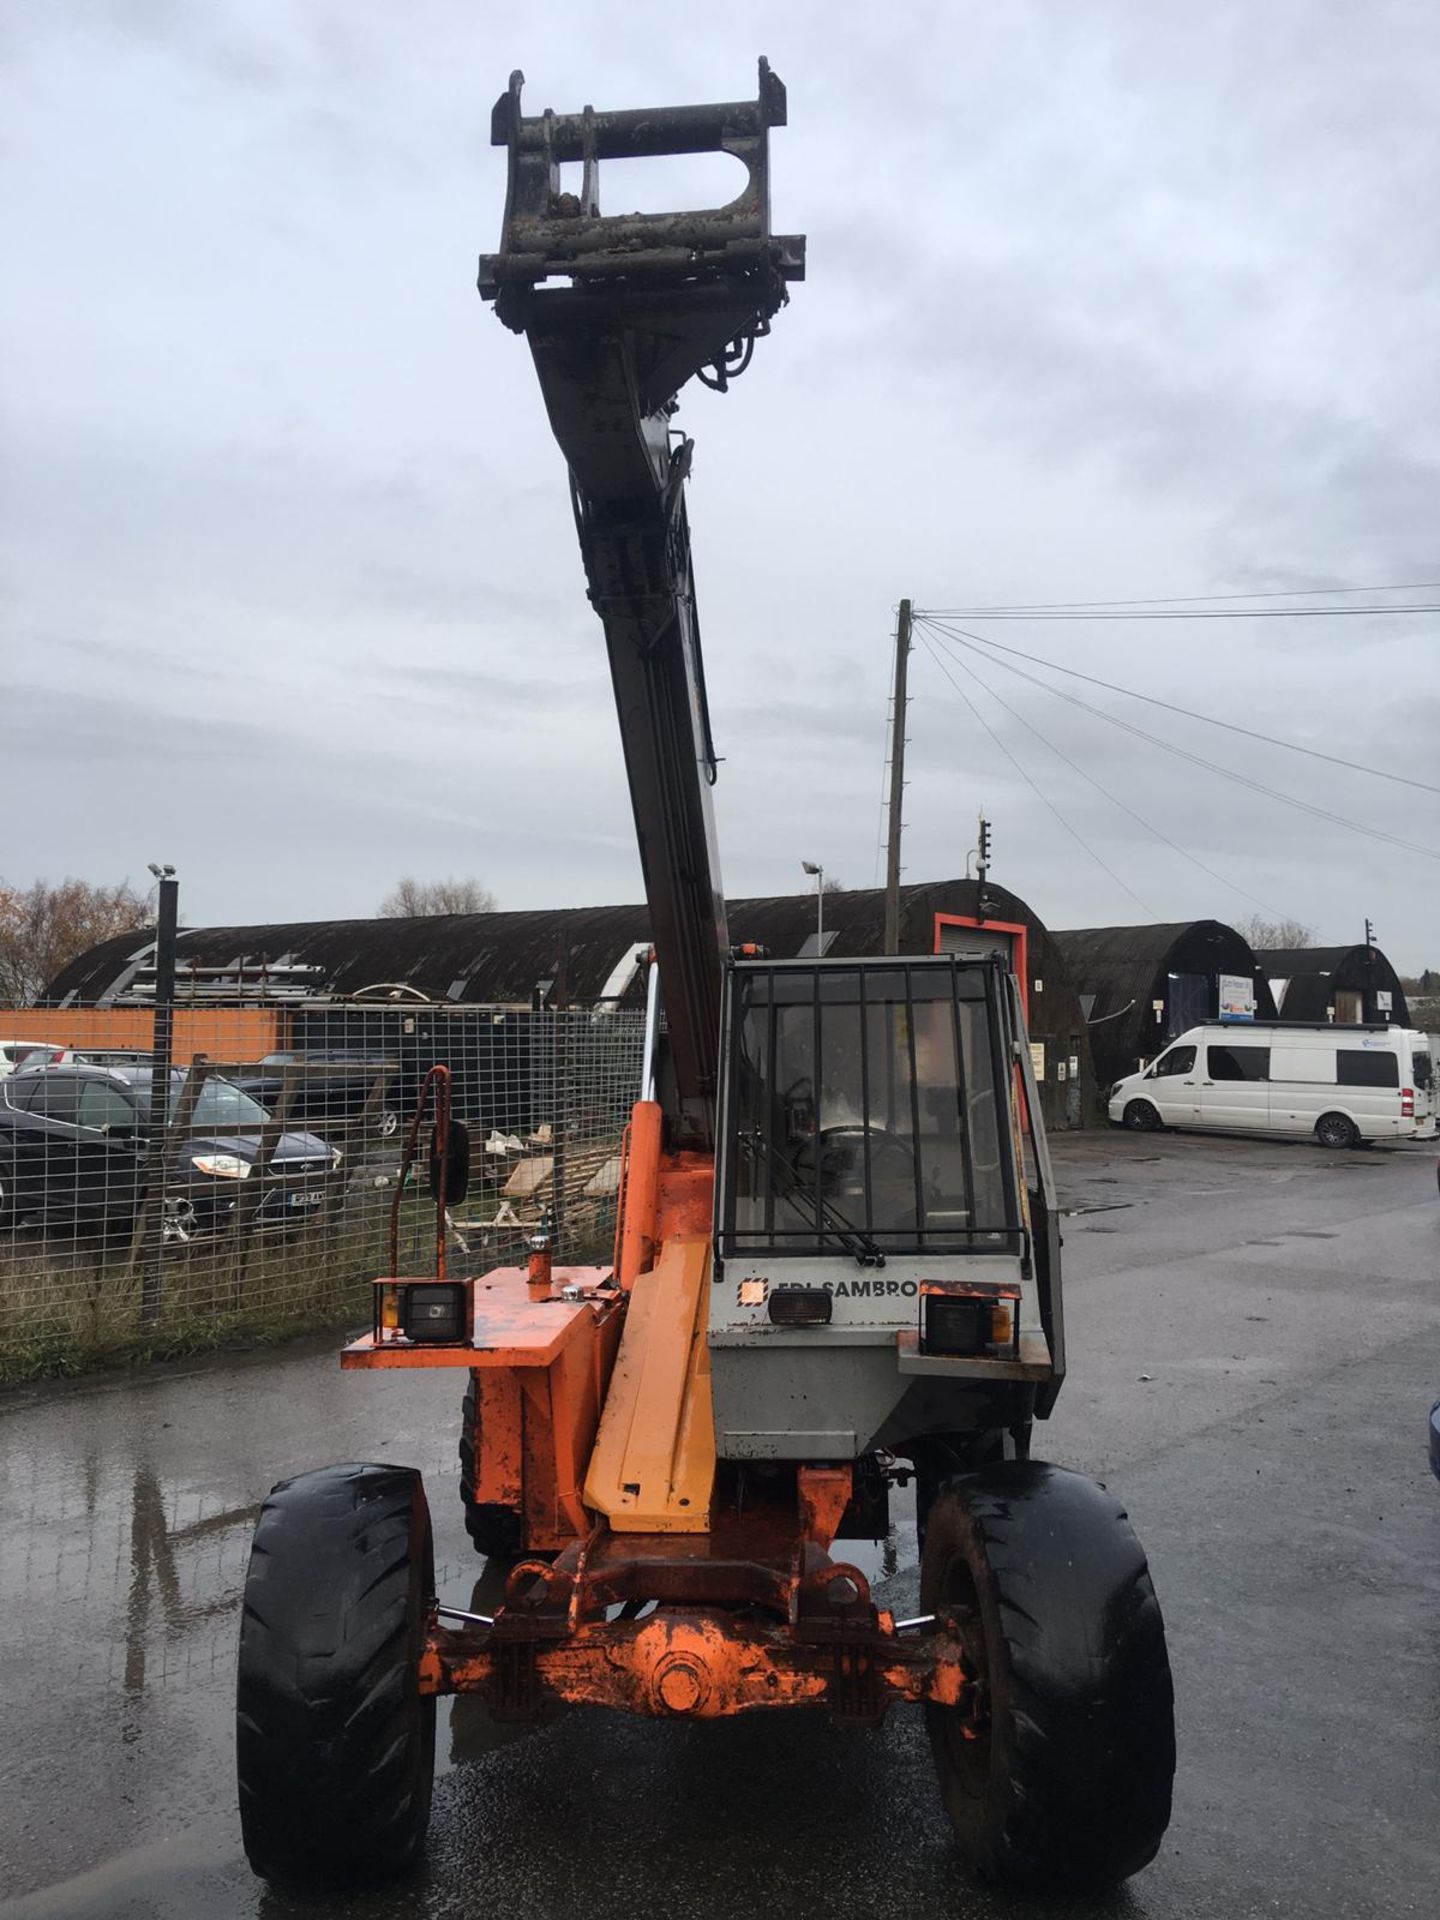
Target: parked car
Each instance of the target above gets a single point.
(335, 1097)
(74, 1143)
(15, 1054)
(1341, 1084)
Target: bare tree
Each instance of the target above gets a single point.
(411, 899)
(833, 884)
(44, 927)
(1267, 935)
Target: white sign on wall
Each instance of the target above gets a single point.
(1236, 996)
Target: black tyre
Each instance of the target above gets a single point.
(494, 1530)
(1336, 1130)
(1057, 1775)
(335, 1744)
(939, 1457)
(1141, 1117)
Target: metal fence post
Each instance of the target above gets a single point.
(162, 1048)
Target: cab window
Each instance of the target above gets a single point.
(56, 1095)
(868, 1108)
(1178, 1060)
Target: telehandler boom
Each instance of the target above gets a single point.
(836, 1268)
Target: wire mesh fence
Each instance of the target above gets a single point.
(252, 1190)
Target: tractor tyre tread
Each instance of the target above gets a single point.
(1082, 1703)
(335, 1744)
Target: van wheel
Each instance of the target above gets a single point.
(335, 1741)
(1056, 1771)
(1141, 1117)
(1335, 1130)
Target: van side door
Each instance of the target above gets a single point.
(1235, 1088)
(1302, 1069)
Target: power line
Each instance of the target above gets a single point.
(1115, 799)
(1194, 613)
(1188, 599)
(1072, 831)
(1183, 753)
(1230, 726)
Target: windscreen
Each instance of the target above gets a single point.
(868, 1111)
(220, 1104)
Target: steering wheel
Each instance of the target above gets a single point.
(834, 1161)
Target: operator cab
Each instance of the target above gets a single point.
(867, 1108)
(885, 1233)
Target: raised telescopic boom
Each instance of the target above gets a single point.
(620, 310)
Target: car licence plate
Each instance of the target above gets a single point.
(301, 1200)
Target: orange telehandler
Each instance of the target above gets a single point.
(836, 1262)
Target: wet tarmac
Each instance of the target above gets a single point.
(1255, 1343)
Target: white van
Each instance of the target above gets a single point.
(1342, 1084)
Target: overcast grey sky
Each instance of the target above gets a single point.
(1103, 300)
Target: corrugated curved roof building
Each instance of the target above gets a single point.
(581, 955)
(1335, 983)
(1140, 986)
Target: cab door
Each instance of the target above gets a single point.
(46, 1142)
(1171, 1087)
(110, 1148)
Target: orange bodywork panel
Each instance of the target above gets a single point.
(654, 1462)
(509, 1328)
(559, 1413)
(600, 1401)
(541, 1367)
(640, 1193)
(499, 1438)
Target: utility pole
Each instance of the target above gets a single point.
(897, 781)
(982, 865)
(1368, 1008)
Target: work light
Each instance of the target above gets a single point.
(970, 1318)
(425, 1312)
(801, 1306)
